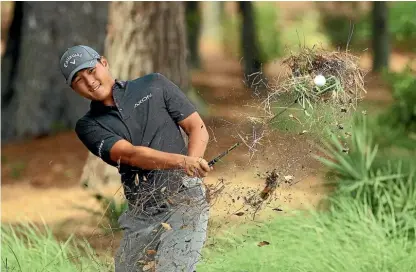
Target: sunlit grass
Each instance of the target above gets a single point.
(349, 238)
(26, 247)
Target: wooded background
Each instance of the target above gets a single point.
(207, 48)
(161, 37)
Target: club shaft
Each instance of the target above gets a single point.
(219, 157)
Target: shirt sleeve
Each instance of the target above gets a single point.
(177, 104)
(97, 139)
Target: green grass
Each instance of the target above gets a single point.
(375, 175)
(401, 23)
(349, 238)
(28, 248)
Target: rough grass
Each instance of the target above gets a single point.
(347, 239)
(26, 247)
(375, 175)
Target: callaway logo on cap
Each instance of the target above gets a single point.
(77, 58)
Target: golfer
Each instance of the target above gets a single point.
(135, 126)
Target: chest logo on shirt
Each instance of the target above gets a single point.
(144, 99)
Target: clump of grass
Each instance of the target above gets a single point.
(26, 247)
(343, 89)
(345, 79)
(332, 103)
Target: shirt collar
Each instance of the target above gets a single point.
(99, 107)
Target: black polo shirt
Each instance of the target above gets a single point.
(146, 113)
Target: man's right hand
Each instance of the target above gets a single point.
(196, 167)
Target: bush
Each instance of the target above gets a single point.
(395, 127)
(402, 114)
(267, 30)
(402, 26)
(320, 123)
(337, 20)
(28, 248)
(386, 183)
(402, 16)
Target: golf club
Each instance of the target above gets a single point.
(219, 157)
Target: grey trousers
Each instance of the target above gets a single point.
(168, 240)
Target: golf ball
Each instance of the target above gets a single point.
(319, 80)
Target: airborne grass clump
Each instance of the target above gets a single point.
(344, 78)
(312, 107)
(343, 89)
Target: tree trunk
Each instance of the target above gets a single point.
(249, 43)
(10, 58)
(35, 99)
(381, 48)
(193, 24)
(143, 37)
(147, 37)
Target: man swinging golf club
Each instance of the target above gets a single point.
(135, 126)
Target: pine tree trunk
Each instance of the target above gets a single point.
(249, 42)
(147, 37)
(193, 24)
(143, 37)
(381, 46)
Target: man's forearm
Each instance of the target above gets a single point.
(197, 142)
(148, 158)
